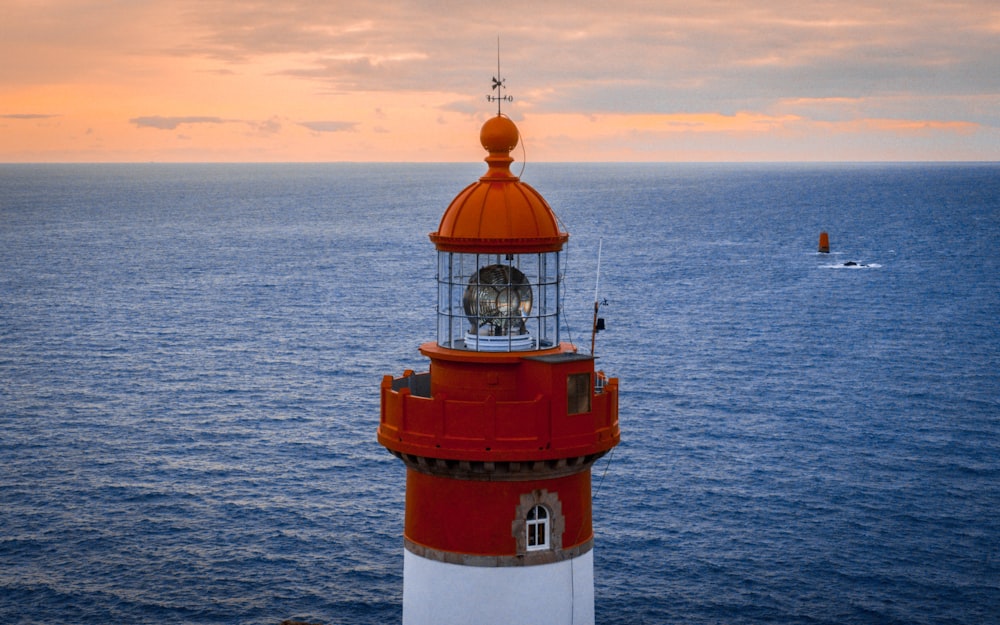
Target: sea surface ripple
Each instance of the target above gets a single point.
(190, 358)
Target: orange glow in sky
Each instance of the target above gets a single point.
(313, 80)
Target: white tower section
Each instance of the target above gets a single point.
(436, 593)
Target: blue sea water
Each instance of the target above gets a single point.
(190, 358)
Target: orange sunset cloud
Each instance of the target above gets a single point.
(185, 80)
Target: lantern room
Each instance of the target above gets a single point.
(498, 269)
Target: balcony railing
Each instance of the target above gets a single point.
(414, 422)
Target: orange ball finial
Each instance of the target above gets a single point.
(499, 135)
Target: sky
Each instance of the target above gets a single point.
(404, 81)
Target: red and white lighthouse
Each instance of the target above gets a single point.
(500, 434)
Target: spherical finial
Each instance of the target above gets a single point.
(499, 134)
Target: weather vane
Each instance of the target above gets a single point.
(499, 84)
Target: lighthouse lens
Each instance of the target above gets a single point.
(507, 300)
(497, 299)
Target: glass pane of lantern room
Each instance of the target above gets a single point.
(449, 317)
(528, 265)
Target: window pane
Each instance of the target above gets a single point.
(537, 528)
(578, 393)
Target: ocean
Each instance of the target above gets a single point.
(190, 360)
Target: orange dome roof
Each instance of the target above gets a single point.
(499, 213)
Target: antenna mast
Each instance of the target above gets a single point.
(597, 304)
(499, 84)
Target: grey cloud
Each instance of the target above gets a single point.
(171, 123)
(27, 116)
(329, 126)
(632, 56)
(270, 126)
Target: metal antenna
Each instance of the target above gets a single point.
(499, 84)
(597, 302)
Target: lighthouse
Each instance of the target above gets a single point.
(500, 433)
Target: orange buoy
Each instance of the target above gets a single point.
(824, 243)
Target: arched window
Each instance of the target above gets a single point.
(537, 528)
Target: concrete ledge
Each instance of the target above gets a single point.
(531, 558)
(499, 471)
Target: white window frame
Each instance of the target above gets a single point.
(537, 527)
